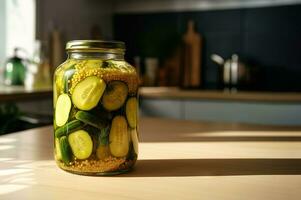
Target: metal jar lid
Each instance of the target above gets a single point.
(96, 45)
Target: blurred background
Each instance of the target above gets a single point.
(221, 60)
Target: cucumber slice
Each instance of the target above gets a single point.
(62, 109)
(115, 95)
(81, 144)
(69, 127)
(88, 92)
(131, 110)
(119, 138)
(90, 119)
(65, 150)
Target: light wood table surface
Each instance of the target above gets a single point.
(177, 160)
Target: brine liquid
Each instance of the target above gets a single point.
(95, 116)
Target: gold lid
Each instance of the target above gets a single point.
(97, 45)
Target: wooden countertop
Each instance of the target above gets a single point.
(176, 93)
(178, 160)
(20, 93)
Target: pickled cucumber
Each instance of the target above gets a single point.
(102, 113)
(67, 78)
(103, 152)
(88, 92)
(59, 75)
(131, 111)
(62, 109)
(69, 127)
(134, 138)
(103, 149)
(72, 113)
(58, 153)
(90, 119)
(55, 94)
(114, 95)
(58, 80)
(81, 144)
(119, 138)
(65, 150)
(94, 134)
(103, 138)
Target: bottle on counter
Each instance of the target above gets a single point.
(151, 71)
(14, 71)
(192, 68)
(39, 72)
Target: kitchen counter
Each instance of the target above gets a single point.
(20, 93)
(178, 160)
(177, 93)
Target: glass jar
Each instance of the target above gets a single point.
(95, 109)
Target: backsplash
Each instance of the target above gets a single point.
(267, 37)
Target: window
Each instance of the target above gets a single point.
(17, 27)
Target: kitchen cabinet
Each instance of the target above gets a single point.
(247, 107)
(23, 108)
(248, 112)
(162, 108)
(38, 101)
(178, 160)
